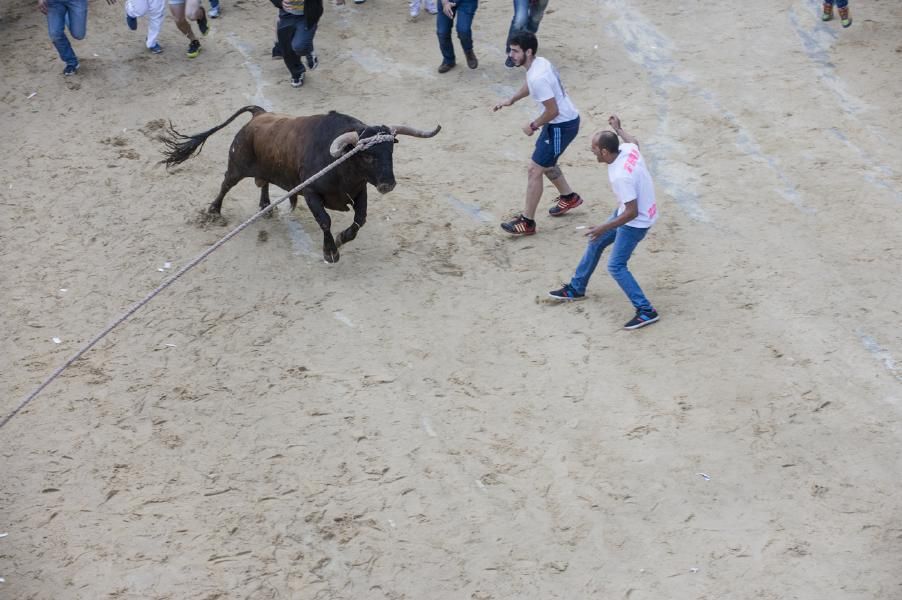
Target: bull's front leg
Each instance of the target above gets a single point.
(359, 219)
(315, 204)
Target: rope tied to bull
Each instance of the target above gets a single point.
(360, 146)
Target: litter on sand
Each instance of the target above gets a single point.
(704, 476)
(31, 95)
(56, 340)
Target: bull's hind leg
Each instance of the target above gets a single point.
(264, 194)
(359, 220)
(315, 204)
(230, 180)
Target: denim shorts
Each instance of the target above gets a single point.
(553, 140)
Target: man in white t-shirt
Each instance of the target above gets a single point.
(559, 124)
(636, 213)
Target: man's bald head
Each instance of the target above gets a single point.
(607, 140)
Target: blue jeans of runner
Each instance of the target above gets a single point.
(296, 40)
(623, 240)
(464, 11)
(58, 13)
(527, 16)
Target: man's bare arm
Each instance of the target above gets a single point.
(614, 122)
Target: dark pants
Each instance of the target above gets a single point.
(464, 11)
(296, 40)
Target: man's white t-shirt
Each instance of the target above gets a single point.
(631, 180)
(544, 84)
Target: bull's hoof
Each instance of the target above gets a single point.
(205, 218)
(331, 257)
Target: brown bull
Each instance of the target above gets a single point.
(284, 151)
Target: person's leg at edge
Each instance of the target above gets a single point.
(156, 13)
(466, 10)
(194, 10)
(56, 27)
(78, 18)
(580, 280)
(285, 33)
(302, 40)
(518, 22)
(534, 185)
(556, 176)
(536, 12)
(626, 241)
(178, 13)
(443, 25)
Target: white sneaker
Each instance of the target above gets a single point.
(214, 12)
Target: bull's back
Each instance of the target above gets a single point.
(285, 150)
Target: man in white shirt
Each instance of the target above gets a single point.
(558, 123)
(636, 213)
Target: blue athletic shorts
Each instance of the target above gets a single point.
(553, 140)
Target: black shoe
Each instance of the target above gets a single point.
(566, 294)
(202, 24)
(70, 70)
(642, 318)
(277, 50)
(193, 49)
(509, 63)
(445, 67)
(312, 61)
(472, 62)
(132, 22)
(298, 81)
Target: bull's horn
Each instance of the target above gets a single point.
(338, 144)
(405, 130)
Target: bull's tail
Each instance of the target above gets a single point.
(180, 147)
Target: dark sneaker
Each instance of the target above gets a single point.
(520, 226)
(193, 49)
(277, 50)
(298, 81)
(509, 63)
(566, 294)
(70, 70)
(202, 24)
(312, 61)
(565, 204)
(132, 22)
(642, 318)
(156, 48)
(445, 67)
(472, 62)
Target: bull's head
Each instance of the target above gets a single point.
(376, 161)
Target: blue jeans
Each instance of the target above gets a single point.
(296, 40)
(526, 18)
(624, 239)
(464, 10)
(58, 13)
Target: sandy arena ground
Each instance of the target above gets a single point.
(417, 422)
